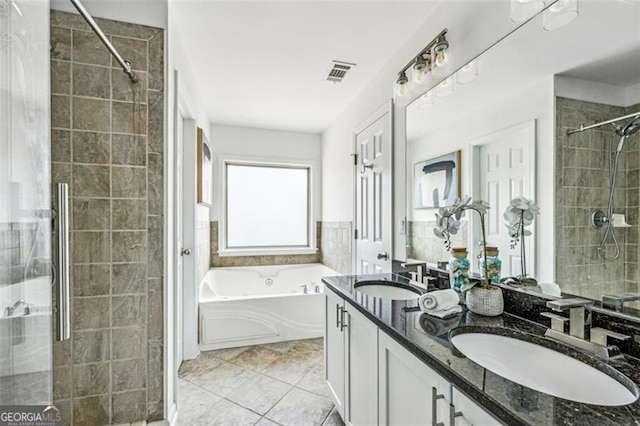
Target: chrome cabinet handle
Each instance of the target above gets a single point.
(383, 256)
(185, 252)
(343, 324)
(453, 414)
(338, 315)
(435, 396)
(61, 276)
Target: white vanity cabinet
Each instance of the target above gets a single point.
(470, 412)
(334, 344)
(374, 380)
(351, 361)
(410, 392)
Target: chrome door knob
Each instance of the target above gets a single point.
(383, 256)
(185, 252)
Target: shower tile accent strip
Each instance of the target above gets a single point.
(582, 171)
(107, 142)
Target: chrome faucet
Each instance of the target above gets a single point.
(304, 288)
(615, 302)
(9, 310)
(597, 343)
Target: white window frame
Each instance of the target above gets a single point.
(314, 193)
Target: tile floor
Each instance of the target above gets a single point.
(273, 384)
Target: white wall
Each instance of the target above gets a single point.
(592, 91)
(533, 102)
(260, 143)
(473, 26)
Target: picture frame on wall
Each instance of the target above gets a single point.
(437, 181)
(205, 169)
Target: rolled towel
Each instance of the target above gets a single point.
(439, 300)
(437, 327)
(446, 313)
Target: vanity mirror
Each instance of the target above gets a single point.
(508, 111)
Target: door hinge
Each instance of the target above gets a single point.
(355, 159)
(355, 234)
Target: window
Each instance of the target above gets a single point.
(267, 208)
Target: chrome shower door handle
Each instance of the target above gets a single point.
(61, 259)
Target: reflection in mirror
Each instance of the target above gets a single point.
(510, 116)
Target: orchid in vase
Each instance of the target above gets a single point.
(448, 223)
(519, 214)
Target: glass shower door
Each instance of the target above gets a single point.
(25, 206)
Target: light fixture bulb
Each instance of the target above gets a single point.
(559, 14)
(442, 58)
(402, 84)
(445, 88)
(468, 73)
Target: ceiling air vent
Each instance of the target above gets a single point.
(338, 71)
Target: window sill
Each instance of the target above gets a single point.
(267, 252)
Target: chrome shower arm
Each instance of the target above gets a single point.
(126, 66)
(582, 127)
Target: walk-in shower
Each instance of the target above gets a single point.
(607, 218)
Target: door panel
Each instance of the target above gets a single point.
(506, 165)
(373, 194)
(25, 203)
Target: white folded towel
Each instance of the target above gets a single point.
(439, 300)
(446, 313)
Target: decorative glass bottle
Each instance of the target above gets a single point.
(459, 268)
(494, 264)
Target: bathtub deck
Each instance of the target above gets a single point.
(278, 383)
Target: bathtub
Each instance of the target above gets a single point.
(242, 306)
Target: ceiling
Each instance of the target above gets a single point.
(264, 64)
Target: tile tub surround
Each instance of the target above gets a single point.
(424, 245)
(16, 241)
(582, 171)
(279, 383)
(336, 246)
(226, 261)
(107, 143)
(511, 403)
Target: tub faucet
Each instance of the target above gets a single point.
(305, 290)
(9, 310)
(615, 302)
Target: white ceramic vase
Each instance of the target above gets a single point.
(485, 301)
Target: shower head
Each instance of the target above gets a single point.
(627, 130)
(630, 128)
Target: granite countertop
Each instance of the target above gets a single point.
(513, 404)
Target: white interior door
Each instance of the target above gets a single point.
(505, 171)
(373, 223)
(179, 176)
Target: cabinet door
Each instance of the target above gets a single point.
(470, 412)
(334, 349)
(406, 388)
(362, 369)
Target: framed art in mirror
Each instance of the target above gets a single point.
(437, 181)
(205, 170)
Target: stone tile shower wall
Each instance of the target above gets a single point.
(422, 244)
(227, 261)
(336, 246)
(582, 173)
(107, 143)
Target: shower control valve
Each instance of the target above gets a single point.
(599, 219)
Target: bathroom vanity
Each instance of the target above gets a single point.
(388, 363)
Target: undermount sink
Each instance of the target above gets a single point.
(544, 369)
(387, 290)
